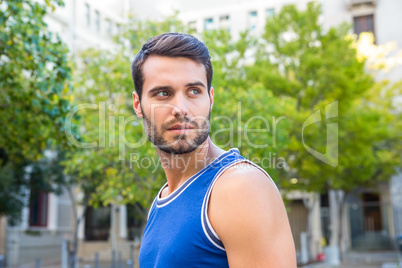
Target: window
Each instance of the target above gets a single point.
(118, 28)
(270, 12)
(192, 25)
(252, 15)
(252, 20)
(97, 223)
(88, 14)
(38, 208)
(224, 22)
(97, 21)
(363, 24)
(208, 24)
(109, 27)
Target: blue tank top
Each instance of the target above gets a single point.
(178, 232)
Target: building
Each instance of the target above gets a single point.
(48, 219)
(83, 24)
(374, 16)
(373, 216)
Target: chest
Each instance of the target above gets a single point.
(175, 237)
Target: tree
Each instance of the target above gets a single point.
(273, 83)
(357, 141)
(247, 115)
(34, 97)
(124, 161)
(110, 122)
(112, 162)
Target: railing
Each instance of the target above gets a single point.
(352, 3)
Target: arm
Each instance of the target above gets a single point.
(247, 212)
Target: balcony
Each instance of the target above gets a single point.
(350, 4)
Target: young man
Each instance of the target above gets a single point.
(217, 209)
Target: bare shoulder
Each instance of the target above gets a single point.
(247, 212)
(244, 179)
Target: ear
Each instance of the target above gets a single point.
(211, 97)
(136, 104)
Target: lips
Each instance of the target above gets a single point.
(181, 127)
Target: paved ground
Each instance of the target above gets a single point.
(380, 259)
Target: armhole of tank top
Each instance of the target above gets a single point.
(206, 224)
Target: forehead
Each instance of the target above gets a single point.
(163, 71)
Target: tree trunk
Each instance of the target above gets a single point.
(333, 257)
(342, 246)
(339, 199)
(73, 248)
(309, 204)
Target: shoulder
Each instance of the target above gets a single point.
(244, 186)
(247, 213)
(243, 190)
(245, 179)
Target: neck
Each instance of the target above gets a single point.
(180, 167)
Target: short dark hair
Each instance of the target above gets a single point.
(171, 45)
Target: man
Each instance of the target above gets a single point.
(217, 209)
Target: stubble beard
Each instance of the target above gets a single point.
(183, 143)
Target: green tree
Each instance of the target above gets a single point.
(112, 162)
(117, 135)
(34, 96)
(318, 67)
(272, 84)
(123, 164)
(247, 115)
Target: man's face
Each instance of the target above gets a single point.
(175, 103)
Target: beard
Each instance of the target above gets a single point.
(182, 143)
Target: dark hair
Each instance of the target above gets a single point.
(171, 45)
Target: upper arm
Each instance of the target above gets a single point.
(247, 213)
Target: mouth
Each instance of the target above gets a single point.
(179, 128)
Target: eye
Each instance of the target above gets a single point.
(194, 91)
(162, 93)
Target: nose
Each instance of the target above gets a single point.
(179, 106)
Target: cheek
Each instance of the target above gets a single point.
(204, 107)
(151, 110)
(157, 114)
(199, 105)
(201, 113)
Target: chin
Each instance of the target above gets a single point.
(179, 147)
(179, 150)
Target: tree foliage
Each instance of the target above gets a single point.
(34, 96)
(265, 90)
(121, 165)
(316, 67)
(245, 115)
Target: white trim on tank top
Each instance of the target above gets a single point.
(176, 193)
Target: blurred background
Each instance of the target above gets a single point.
(309, 90)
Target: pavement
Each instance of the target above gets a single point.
(377, 259)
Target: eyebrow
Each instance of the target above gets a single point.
(156, 89)
(197, 83)
(159, 88)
